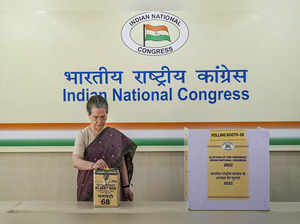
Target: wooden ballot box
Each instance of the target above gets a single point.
(107, 188)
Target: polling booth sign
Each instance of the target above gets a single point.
(228, 169)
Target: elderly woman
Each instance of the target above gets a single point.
(97, 147)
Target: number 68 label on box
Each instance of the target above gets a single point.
(106, 188)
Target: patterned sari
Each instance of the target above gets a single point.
(112, 146)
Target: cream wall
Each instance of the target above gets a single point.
(158, 176)
(50, 176)
(40, 40)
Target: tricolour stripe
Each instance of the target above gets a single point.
(139, 142)
(157, 33)
(70, 142)
(66, 134)
(156, 28)
(157, 38)
(152, 125)
(137, 133)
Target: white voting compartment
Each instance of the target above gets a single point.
(258, 173)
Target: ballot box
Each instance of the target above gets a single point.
(228, 169)
(107, 188)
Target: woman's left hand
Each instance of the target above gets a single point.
(128, 194)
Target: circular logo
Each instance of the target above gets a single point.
(155, 33)
(227, 146)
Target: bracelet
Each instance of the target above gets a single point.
(91, 166)
(125, 186)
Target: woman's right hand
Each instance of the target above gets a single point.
(100, 164)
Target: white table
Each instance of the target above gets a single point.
(139, 212)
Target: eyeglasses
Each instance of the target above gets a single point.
(101, 118)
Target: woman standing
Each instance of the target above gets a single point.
(97, 147)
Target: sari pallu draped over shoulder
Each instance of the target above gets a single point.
(112, 146)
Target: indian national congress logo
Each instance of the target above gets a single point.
(155, 33)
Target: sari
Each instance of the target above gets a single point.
(112, 146)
